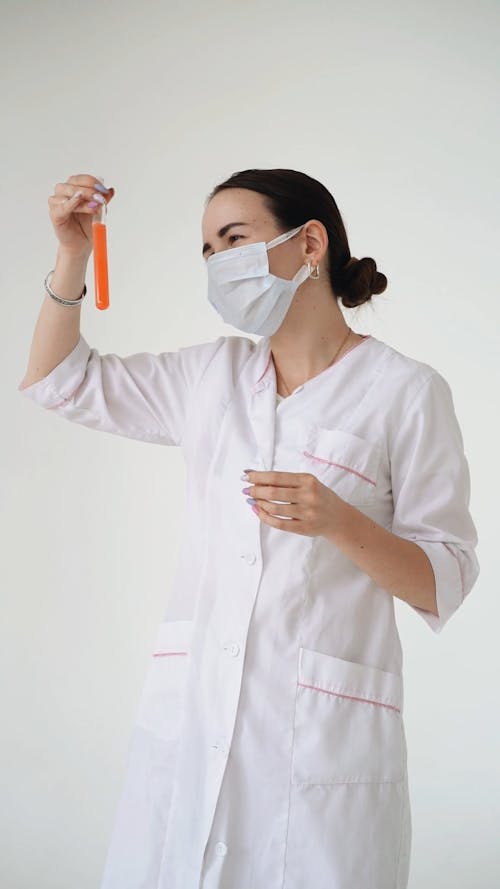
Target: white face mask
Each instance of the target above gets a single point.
(245, 293)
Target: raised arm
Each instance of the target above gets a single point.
(142, 396)
(57, 329)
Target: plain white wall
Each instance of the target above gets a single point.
(394, 107)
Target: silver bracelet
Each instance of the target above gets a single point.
(59, 299)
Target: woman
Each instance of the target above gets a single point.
(269, 748)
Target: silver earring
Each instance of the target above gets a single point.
(315, 276)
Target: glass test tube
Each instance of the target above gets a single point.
(101, 283)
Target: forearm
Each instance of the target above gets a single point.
(397, 565)
(57, 329)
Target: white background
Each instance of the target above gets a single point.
(394, 107)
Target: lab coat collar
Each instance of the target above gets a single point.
(262, 374)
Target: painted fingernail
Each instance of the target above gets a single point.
(251, 500)
(99, 187)
(256, 511)
(92, 204)
(99, 198)
(245, 490)
(244, 478)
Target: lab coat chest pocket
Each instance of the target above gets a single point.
(348, 725)
(344, 462)
(162, 699)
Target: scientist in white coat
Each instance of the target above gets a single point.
(326, 475)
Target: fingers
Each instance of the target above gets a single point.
(271, 492)
(291, 479)
(96, 187)
(279, 510)
(70, 196)
(67, 190)
(83, 179)
(62, 206)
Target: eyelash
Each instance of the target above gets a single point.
(234, 236)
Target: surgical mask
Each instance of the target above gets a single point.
(245, 293)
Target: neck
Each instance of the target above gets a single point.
(309, 337)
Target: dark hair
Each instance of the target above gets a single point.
(293, 198)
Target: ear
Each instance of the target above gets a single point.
(316, 240)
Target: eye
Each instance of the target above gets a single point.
(229, 238)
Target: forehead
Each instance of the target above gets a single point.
(243, 202)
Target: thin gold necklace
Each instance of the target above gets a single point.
(349, 331)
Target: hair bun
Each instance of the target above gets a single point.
(358, 280)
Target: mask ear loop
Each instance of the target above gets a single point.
(284, 237)
(300, 274)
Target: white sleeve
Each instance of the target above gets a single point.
(431, 493)
(142, 396)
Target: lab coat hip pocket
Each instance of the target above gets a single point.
(162, 700)
(348, 725)
(344, 462)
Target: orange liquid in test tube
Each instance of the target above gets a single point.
(101, 283)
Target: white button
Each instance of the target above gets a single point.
(220, 848)
(250, 558)
(232, 648)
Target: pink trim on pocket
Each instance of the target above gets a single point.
(167, 653)
(351, 697)
(341, 466)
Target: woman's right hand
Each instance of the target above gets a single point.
(71, 216)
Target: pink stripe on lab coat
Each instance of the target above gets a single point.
(167, 653)
(341, 466)
(266, 368)
(351, 697)
(68, 397)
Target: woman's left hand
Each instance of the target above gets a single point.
(311, 507)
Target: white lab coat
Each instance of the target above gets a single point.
(269, 749)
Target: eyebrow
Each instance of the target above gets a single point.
(222, 231)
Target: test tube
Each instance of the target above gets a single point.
(99, 241)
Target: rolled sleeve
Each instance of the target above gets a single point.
(60, 385)
(431, 494)
(143, 396)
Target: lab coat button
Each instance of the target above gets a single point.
(232, 648)
(221, 849)
(221, 747)
(250, 558)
